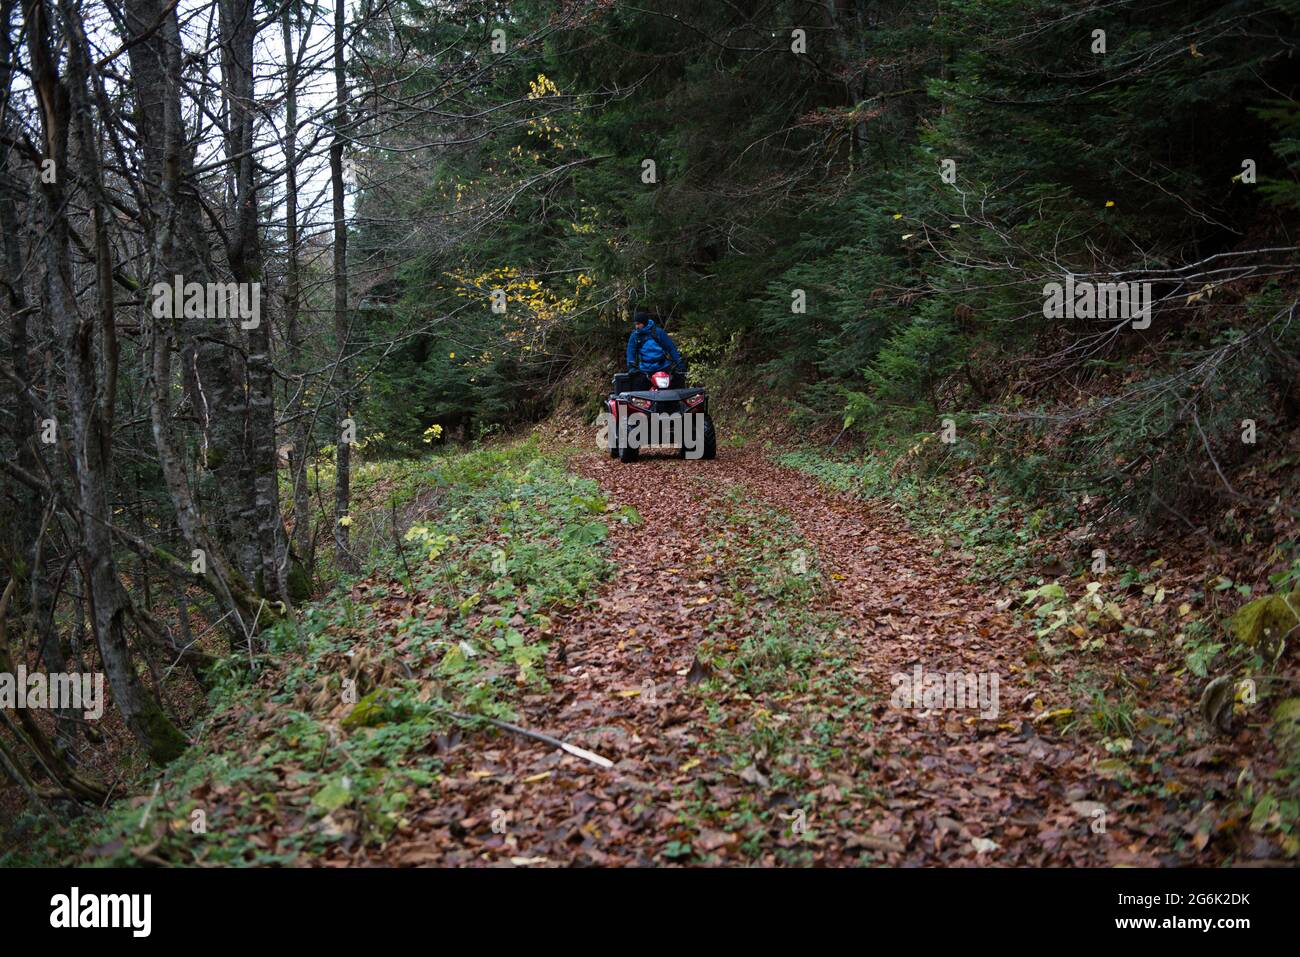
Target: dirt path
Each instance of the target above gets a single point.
(952, 778)
(876, 784)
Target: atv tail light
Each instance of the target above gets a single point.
(694, 400)
(642, 404)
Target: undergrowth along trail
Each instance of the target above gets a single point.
(731, 637)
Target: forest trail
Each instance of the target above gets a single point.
(853, 780)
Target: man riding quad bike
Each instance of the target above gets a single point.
(651, 405)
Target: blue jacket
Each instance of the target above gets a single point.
(651, 349)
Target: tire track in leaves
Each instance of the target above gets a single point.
(955, 787)
(618, 687)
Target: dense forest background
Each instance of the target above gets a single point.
(801, 235)
(845, 211)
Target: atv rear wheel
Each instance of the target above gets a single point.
(628, 453)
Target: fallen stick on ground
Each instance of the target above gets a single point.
(573, 749)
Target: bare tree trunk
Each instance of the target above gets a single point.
(343, 375)
(27, 517)
(249, 611)
(293, 300)
(238, 33)
(212, 368)
(91, 409)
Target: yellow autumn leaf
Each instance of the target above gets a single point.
(689, 765)
(1053, 715)
(1112, 768)
(534, 778)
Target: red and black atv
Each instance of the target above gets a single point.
(657, 411)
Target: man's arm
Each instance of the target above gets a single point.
(671, 348)
(631, 351)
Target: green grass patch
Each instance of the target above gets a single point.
(782, 700)
(330, 736)
(998, 534)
